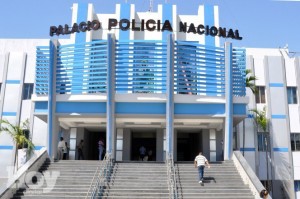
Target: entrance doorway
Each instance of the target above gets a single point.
(188, 145)
(91, 144)
(146, 139)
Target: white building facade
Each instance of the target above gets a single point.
(156, 79)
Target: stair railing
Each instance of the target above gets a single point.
(172, 185)
(98, 183)
(94, 179)
(248, 175)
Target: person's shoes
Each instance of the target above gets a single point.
(200, 181)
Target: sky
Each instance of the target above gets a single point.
(261, 23)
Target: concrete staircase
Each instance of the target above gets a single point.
(221, 181)
(138, 180)
(73, 181)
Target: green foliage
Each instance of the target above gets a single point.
(17, 133)
(260, 118)
(250, 81)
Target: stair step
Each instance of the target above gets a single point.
(134, 197)
(131, 194)
(47, 197)
(142, 180)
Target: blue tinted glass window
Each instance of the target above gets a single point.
(260, 95)
(292, 95)
(27, 91)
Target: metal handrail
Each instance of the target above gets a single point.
(171, 177)
(94, 178)
(104, 172)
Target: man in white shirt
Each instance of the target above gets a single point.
(61, 147)
(199, 163)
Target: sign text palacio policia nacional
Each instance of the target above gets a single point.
(142, 25)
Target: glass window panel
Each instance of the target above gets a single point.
(260, 143)
(292, 95)
(262, 96)
(213, 156)
(257, 97)
(297, 141)
(72, 144)
(71, 155)
(73, 133)
(120, 134)
(292, 141)
(289, 95)
(119, 155)
(27, 91)
(297, 185)
(119, 144)
(212, 135)
(295, 95)
(212, 144)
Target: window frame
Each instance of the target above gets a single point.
(261, 146)
(27, 91)
(295, 138)
(260, 95)
(292, 93)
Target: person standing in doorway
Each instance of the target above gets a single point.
(100, 148)
(80, 150)
(222, 146)
(61, 147)
(142, 152)
(200, 162)
(66, 152)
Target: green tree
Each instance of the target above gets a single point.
(260, 119)
(262, 123)
(250, 81)
(17, 133)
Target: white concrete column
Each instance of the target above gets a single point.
(170, 96)
(73, 136)
(110, 104)
(228, 150)
(119, 144)
(212, 145)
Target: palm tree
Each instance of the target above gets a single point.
(250, 81)
(262, 124)
(17, 133)
(260, 119)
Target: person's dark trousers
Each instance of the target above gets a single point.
(201, 172)
(142, 157)
(80, 155)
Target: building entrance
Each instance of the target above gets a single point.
(91, 144)
(188, 145)
(143, 139)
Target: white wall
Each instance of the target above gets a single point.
(294, 117)
(296, 162)
(39, 133)
(2, 62)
